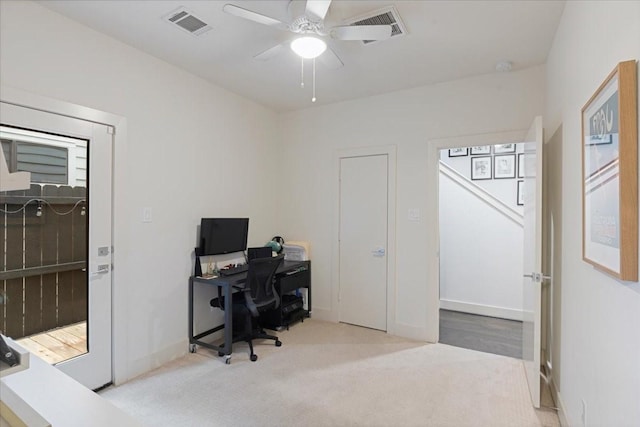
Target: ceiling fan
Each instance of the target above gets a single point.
(310, 26)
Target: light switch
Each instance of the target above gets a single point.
(414, 214)
(146, 214)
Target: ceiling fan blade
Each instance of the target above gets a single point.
(361, 32)
(330, 59)
(253, 16)
(317, 8)
(270, 53)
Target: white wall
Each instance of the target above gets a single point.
(192, 150)
(596, 353)
(408, 119)
(481, 255)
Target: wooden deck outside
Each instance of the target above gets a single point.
(58, 345)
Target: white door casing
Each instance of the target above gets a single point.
(363, 241)
(92, 369)
(532, 265)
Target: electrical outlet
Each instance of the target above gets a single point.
(584, 413)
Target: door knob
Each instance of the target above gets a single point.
(102, 269)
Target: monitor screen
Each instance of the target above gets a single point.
(223, 235)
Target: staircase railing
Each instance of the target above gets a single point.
(482, 194)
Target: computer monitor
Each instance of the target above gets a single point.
(261, 252)
(223, 235)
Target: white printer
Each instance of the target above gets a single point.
(296, 251)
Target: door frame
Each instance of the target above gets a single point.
(21, 98)
(432, 213)
(390, 152)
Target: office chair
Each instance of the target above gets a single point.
(258, 296)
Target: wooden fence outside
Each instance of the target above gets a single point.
(43, 259)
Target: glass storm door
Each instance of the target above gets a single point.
(55, 221)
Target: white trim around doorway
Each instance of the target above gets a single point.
(333, 313)
(118, 124)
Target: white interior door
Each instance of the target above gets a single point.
(93, 368)
(532, 289)
(363, 240)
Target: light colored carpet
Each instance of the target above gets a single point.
(328, 374)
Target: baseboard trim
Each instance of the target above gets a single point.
(324, 314)
(557, 398)
(398, 329)
(482, 310)
(408, 331)
(155, 360)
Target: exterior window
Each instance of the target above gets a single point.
(47, 164)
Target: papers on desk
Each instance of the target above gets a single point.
(207, 276)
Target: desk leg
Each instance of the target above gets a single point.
(192, 346)
(228, 322)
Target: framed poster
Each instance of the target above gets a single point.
(480, 149)
(610, 175)
(504, 166)
(458, 152)
(504, 148)
(480, 168)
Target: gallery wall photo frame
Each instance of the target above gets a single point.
(609, 149)
(521, 165)
(520, 194)
(481, 168)
(504, 148)
(480, 149)
(458, 152)
(504, 166)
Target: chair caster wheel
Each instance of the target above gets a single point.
(192, 348)
(253, 357)
(228, 361)
(278, 343)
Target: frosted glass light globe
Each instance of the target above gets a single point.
(308, 47)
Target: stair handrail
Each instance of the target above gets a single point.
(482, 194)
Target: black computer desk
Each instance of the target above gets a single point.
(228, 285)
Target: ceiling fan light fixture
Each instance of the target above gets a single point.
(308, 47)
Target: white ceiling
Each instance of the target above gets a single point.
(446, 40)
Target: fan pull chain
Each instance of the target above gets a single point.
(314, 81)
(301, 72)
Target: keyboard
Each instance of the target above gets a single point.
(234, 270)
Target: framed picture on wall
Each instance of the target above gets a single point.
(504, 148)
(480, 149)
(520, 194)
(458, 152)
(504, 166)
(480, 168)
(610, 175)
(521, 165)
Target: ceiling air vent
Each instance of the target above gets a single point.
(385, 16)
(187, 22)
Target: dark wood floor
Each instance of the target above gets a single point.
(482, 333)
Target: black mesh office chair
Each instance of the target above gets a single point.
(259, 295)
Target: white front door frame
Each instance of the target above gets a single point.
(26, 99)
